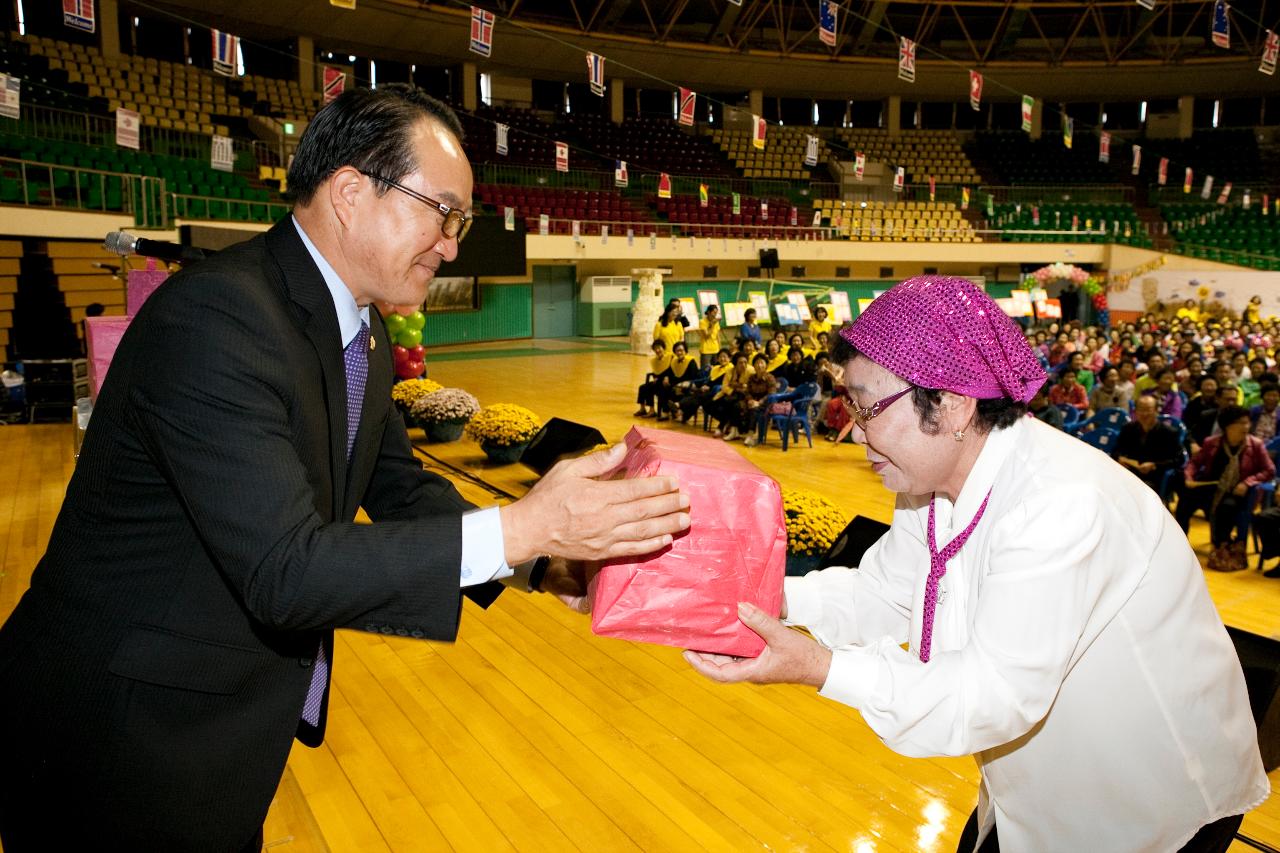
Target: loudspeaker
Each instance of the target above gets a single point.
(769, 259)
(1260, 660)
(557, 438)
(857, 536)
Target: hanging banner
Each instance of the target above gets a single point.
(664, 185)
(1226, 192)
(817, 218)
(794, 217)
(1245, 201)
(964, 198)
(128, 129)
(703, 198)
(509, 218)
(827, 22)
(1207, 188)
(78, 14)
(933, 188)
(1162, 175)
(1137, 160)
(10, 96)
(975, 89)
(1269, 53)
(1104, 147)
(544, 224)
(811, 151)
(500, 134)
(899, 178)
(335, 82)
(481, 31)
(562, 156)
(222, 156)
(1186, 182)
(1028, 108)
(225, 47)
(1068, 127)
(1221, 24)
(758, 128)
(764, 211)
(859, 165)
(907, 60)
(1035, 215)
(620, 178)
(688, 98)
(595, 73)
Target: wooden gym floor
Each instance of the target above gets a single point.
(529, 733)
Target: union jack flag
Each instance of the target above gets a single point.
(907, 60)
(827, 22)
(1270, 53)
(78, 14)
(224, 52)
(1221, 24)
(595, 73)
(481, 31)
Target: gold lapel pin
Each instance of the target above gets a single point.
(373, 344)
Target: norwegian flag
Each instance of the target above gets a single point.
(1221, 24)
(335, 82)
(224, 53)
(1269, 54)
(481, 31)
(758, 128)
(975, 89)
(1137, 160)
(620, 178)
(688, 99)
(1104, 147)
(907, 60)
(827, 22)
(500, 137)
(1162, 175)
(859, 164)
(1226, 192)
(595, 73)
(78, 14)
(899, 178)
(811, 151)
(562, 156)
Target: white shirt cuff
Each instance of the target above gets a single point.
(483, 548)
(852, 676)
(804, 604)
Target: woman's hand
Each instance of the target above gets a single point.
(1240, 490)
(789, 657)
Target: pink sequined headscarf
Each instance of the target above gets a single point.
(944, 333)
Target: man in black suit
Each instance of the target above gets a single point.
(1147, 446)
(178, 632)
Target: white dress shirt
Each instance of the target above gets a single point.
(483, 548)
(1076, 653)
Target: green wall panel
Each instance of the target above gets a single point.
(506, 311)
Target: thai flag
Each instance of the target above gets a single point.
(224, 52)
(1221, 26)
(827, 22)
(595, 73)
(481, 31)
(78, 14)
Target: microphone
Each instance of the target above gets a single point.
(124, 243)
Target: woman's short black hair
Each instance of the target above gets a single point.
(368, 129)
(1228, 415)
(992, 414)
(749, 313)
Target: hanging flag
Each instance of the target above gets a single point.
(933, 188)
(817, 218)
(1104, 147)
(631, 236)
(1137, 160)
(794, 217)
(764, 210)
(859, 164)
(335, 82)
(1068, 126)
(481, 31)
(1269, 53)
(509, 218)
(10, 96)
(128, 129)
(1075, 222)
(1035, 215)
(991, 206)
(1028, 107)
(620, 178)
(1163, 174)
(501, 135)
(702, 195)
(1266, 203)
(758, 127)
(737, 204)
(604, 234)
(1147, 4)
(907, 60)
(576, 228)
(78, 14)
(595, 73)
(975, 89)
(964, 198)
(562, 156)
(343, 4)
(222, 155)
(1226, 192)
(688, 98)
(811, 151)
(1245, 201)
(664, 185)
(224, 53)
(1221, 24)
(827, 22)
(1207, 188)
(899, 178)
(544, 224)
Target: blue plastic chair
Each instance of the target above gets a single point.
(787, 425)
(1102, 438)
(1070, 416)
(1110, 418)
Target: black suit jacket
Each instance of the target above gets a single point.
(204, 551)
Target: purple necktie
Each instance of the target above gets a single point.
(938, 568)
(356, 359)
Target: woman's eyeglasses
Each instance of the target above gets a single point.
(860, 415)
(456, 223)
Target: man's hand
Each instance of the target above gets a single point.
(568, 580)
(790, 657)
(571, 514)
(1146, 467)
(1240, 490)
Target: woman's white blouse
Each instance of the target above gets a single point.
(1076, 653)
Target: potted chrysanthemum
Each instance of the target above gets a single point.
(443, 414)
(408, 391)
(813, 523)
(503, 430)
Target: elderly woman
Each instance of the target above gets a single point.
(1032, 604)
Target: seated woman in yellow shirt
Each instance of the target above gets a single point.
(709, 326)
(818, 325)
(774, 355)
(700, 393)
(658, 364)
(675, 380)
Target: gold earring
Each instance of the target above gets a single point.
(958, 434)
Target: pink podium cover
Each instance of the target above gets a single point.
(102, 335)
(735, 550)
(143, 283)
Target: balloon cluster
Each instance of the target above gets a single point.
(407, 349)
(1059, 272)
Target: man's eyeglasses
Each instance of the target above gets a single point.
(860, 415)
(456, 223)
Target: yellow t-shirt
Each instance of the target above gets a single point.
(817, 327)
(1192, 314)
(680, 367)
(669, 334)
(776, 362)
(659, 363)
(710, 336)
(719, 370)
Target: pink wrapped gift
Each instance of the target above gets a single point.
(735, 550)
(102, 336)
(143, 283)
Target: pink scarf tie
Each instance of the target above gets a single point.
(938, 568)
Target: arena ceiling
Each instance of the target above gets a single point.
(1068, 48)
